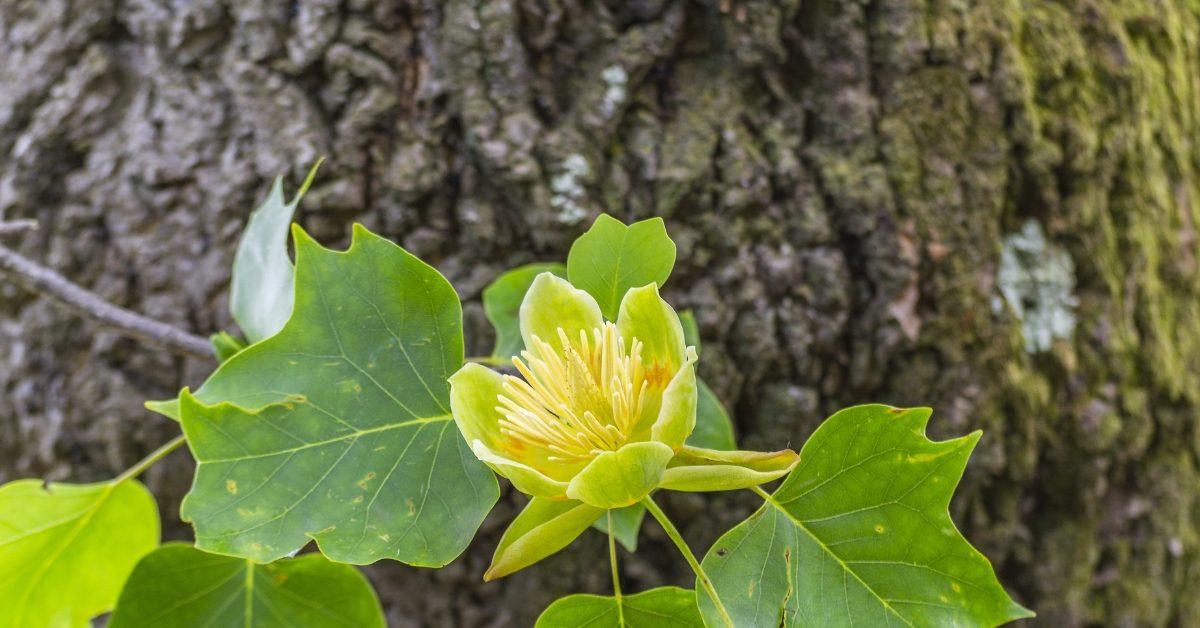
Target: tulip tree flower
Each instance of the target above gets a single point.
(596, 418)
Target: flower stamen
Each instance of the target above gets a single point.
(578, 402)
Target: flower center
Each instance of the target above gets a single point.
(575, 403)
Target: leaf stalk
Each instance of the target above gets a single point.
(673, 533)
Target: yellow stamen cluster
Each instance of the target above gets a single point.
(578, 402)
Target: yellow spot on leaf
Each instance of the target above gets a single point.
(366, 479)
(957, 589)
(879, 529)
(231, 486)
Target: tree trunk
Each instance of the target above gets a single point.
(858, 190)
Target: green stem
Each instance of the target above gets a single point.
(148, 461)
(669, 528)
(761, 493)
(612, 558)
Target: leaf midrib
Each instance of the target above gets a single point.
(770, 499)
(347, 436)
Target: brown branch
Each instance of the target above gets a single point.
(42, 280)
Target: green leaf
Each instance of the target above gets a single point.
(225, 346)
(178, 586)
(167, 407)
(664, 607)
(627, 522)
(66, 549)
(338, 428)
(611, 258)
(502, 304)
(714, 429)
(691, 331)
(860, 533)
(543, 528)
(260, 297)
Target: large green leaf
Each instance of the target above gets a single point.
(178, 586)
(611, 258)
(338, 428)
(65, 549)
(860, 533)
(260, 297)
(502, 304)
(664, 607)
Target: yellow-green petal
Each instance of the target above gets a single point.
(677, 414)
(646, 316)
(527, 479)
(551, 303)
(615, 479)
(543, 528)
(702, 470)
(473, 392)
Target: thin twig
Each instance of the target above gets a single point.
(38, 278)
(17, 226)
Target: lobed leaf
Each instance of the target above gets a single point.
(664, 607)
(338, 428)
(66, 549)
(178, 586)
(860, 533)
(610, 258)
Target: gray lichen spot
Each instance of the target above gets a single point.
(1037, 279)
(615, 78)
(568, 188)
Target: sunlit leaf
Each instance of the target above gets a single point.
(502, 303)
(664, 607)
(178, 586)
(338, 428)
(260, 297)
(611, 258)
(65, 549)
(859, 534)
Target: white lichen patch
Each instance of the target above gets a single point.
(567, 187)
(1037, 280)
(615, 79)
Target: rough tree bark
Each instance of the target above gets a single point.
(851, 185)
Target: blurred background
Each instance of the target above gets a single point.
(984, 207)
